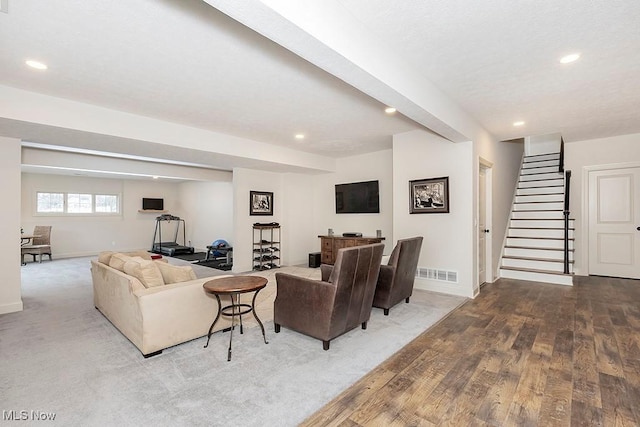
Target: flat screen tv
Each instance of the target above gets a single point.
(152, 204)
(358, 197)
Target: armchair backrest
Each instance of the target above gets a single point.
(44, 235)
(404, 260)
(355, 274)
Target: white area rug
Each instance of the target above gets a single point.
(61, 355)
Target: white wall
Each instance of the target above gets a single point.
(88, 235)
(207, 208)
(244, 181)
(366, 167)
(448, 237)
(10, 294)
(579, 155)
(304, 205)
(506, 159)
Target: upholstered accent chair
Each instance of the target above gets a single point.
(342, 300)
(395, 282)
(41, 245)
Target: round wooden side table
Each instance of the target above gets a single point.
(234, 286)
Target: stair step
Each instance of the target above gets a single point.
(557, 266)
(527, 198)
(529, 252)
(540, 223)
(542, 183)
(538, 242)
(539, 170)
(540, 157)
(537, 214)
(537, 191)
(557, 233)
(538, 206)
(537, 275)
(541, 176)
(541, 163)
(525, 258)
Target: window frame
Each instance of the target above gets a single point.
(65, 202)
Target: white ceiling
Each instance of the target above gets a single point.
(185, 62)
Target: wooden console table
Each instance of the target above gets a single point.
(329, 245)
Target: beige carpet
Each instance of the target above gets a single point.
(61, 356)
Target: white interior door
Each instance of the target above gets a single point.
(482, 225)
(614, 222)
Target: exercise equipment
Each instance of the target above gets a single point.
(170, 248)
(220, 249)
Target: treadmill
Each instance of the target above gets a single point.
(170, 248)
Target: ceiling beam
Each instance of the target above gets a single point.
(327, 35)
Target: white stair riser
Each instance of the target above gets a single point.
(537, 214)
(545, 169)
(537, 253)
(539, 265)
(538, 206)
(547, 223)
(537, 277)
(540, 198)
(549, 156)
(543, 190)
(538, 232)
(555, 163)
(538, 243)
(544, 183)
(542, 176)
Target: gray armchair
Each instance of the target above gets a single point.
(326, 309)
(41, 245)
(395, 282)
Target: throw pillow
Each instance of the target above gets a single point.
(118, 260)
(105, 256)
(145, 271)
(175, 273)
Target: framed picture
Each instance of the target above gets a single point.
(260, 203)
(429, 195)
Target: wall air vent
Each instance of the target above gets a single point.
(435, 274)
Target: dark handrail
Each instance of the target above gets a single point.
(565, 212)
(561, 164)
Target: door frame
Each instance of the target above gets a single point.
(584, 217)
(487, 166)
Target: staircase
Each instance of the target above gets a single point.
(534, 247)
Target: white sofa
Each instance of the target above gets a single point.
(155, 317)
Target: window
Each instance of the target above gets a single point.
(77, 203)
(107, 203)
(50, 202)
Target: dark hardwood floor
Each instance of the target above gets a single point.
(520, 354)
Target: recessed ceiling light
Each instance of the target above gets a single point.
(36, 64)
(299, 136)
(569, 58)
(518, 123)
(390, 110)
(155, 177)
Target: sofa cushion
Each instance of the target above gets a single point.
(118, 260)
(145, 271)
(175, 273)
(105, 256)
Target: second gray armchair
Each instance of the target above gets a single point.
(395, 282)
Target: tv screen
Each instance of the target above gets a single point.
(358, 197)
(152, 204)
